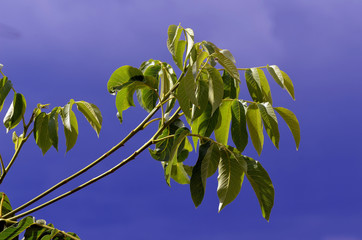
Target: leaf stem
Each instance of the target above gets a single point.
(110, 171)
(242, 69)
(161, 139)
(2, 73)
(2, 168)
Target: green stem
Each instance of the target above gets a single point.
(110, 171)
(161, 139)
(243, 69)
(211, 140)
(2, 169)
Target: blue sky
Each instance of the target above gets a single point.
(57, 50)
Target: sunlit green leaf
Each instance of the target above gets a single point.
(65, 114)
(209, 157)
(92, 114)
(228, 54)
(174, 34)
(41, 132)
(265, 87)
(202, 97)
(262, 185)
(190, 40)
(276, 74)
(189, 86)
(225, 61)
(270, 122)
(53, 127)
(239, 133)
(255, 125)
(254, 86)
(292, 123)
(71, 134)
(15, 229)
(15, 112)
(17, 140)
(230, 179)
(178, 57)
(223, 129)
(179, 174)
(216, 89)
(288, 84)
(5, 87)
(121, 76)
(179, 137)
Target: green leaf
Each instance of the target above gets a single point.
(5, 207)
(15, 229)
(147, 96)
(209, 157)
(5, 87)
(188, 85)
(230, 179)
(265, 87)
(255, 125)
(35, 232)
(223, 129)
(124, 98)
(65, 114)
(225, 60)
(254, 86)
(216, 88)
(174, 34)
(71, 131)
(276, 74)
(179, 137)
(121, 76)
(238, 125)
(17, 140)
(202, 99)
(270, 122)
(53, 127)
(178, 57)
(228, 54)
(231, 87)
(288, 84)
(179, 174)
(41, 132)
(189, 34)
(15, 112)
(168, 78)
(92, 114)
(292, 123)
(207, 122)
(262, 185)
(151, 68)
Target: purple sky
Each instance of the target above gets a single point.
(57, 50)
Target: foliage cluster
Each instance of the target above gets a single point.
(199, 109)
